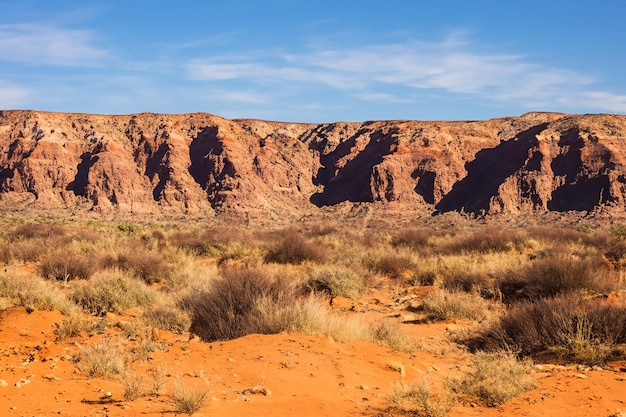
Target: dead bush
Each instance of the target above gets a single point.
(228, 309)
(112, 292)
(412, 238)
(293, 248)
(149, 266)
(34, 230)
(498, 378)
(485, 241)
(548, 277)
(64, 266)
(336, 280)
(564, 327)
(167, 317)
(393, 265)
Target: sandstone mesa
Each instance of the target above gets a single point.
(201, 165)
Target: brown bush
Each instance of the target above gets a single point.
(564, 327)
(556, 275)
(412, 238)
(228, 309)
(65, 266)
(150, 267)
(33, 230)
(392, 265)
(293, 248)
(484, 241)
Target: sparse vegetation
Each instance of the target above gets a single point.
(419, 397)
(188, 400)
(102, 359)
(497, 378)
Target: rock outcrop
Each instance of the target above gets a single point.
(200, 165)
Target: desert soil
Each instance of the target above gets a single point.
(275, 375)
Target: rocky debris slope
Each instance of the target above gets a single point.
(199, 164)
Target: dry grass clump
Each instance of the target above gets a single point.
(167, 317)
(32, 292)
(485, 240)
(388, 334)
(565, 328)
(446, 305)
(35, 230)
(394, 265)
(149, 266)
(29, 250)
(415, 239)
(103, 359)
(188, 400)
(498, 378)
(556, 275)
(293, 248)
(336, 280)
(227, 309)
(419, 397)
(112, 291)
(72, 326)
(64, 265)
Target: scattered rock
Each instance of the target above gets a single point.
(257, 390)
(397, 366)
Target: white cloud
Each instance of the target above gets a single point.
(453, 65)
(12, 97)
(40, 44)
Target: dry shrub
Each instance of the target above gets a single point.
(412, 238)
(563, 327)
(227, 309)
(485, 241)
(29, 250)
(393, 265)
(418, 397)
(34, 230)
(445, 305)
(294, 248)
(211, 242)
(498, 378)
(133, 386)
(556, 275)
(72, 326)
(189, 400)
(151, 267)
(103, 359)
(64, 266)
(112, 292)
(31, 292)
(388, 334)
(167, 317)
(336, 280)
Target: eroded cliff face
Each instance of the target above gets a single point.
(200, 165)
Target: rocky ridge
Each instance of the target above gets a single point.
(200, 165)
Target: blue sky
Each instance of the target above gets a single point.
(314, 61)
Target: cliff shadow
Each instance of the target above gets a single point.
(579, 192)
(351, 182)
(489, 169)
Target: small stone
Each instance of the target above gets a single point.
(51, 377)
(3, 383)
(397, 366)
(581, 376)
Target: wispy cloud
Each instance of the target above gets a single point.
(12, 97)
(41, 44)
(453, 65)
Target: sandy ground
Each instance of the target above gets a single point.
(272, 375)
